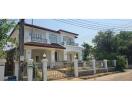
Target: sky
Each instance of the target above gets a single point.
(85, 34)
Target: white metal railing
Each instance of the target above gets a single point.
(39, 40)
(69, 43)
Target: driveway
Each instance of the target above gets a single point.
(124, 76)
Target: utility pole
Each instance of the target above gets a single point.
(21, 48)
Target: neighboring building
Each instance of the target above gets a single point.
(58, 45)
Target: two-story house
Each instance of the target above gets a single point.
(58, 45)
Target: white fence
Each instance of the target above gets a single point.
(74, 69)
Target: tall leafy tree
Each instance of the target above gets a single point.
(87, 50)
(104, 45)
(5, 27)
(124, 44)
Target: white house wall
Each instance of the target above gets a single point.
(69, 48)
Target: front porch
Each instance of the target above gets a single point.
(56, 56)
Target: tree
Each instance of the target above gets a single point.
(87, 50)
(5, 27)
(124, 44)
(104, 45)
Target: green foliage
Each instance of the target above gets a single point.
(38, 74)
(108, 45)
(104, 45)
(70, 67)
(5, 27)
(121, 63)
(86, 51)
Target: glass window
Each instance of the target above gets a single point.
(53, 38)
(68, 40)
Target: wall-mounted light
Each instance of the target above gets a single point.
(75, 56)
(44, 56)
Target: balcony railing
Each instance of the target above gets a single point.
(70, 43)
(40, 40)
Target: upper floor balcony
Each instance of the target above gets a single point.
(50, 39)
(39, 39)
(70, 43)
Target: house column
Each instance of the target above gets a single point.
(80, 55)
(28, 54)
(65, 55)
(52, 59)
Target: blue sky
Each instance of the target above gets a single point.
(85, 34)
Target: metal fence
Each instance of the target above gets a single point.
(111, 66)
(100, 66)
(65, 71)
(85, 68)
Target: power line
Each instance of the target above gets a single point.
(107, 26)
(93, 25)
(78, 24)
(111, 27)
(117, 27)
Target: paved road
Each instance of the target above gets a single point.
(124, 76)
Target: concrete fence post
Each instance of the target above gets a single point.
(126, 63)
(84, 64)
(94, 66)
(16, 73)
(2, 69)
(114, 63)
(30, 69)
(44, 68)
(105, 64)
(76, 67)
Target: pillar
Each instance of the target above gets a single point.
(76, 67)
(84, 64)
(94, 66)
(80, 55)
(65, 55)
(105, 64)
(28, 54)
(30, 69)
(16, 73)
(44, 68)
(114, 63)
(2, 69)
(52, 59)
(126, 63)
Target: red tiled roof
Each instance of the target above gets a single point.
(52, 45)
(67, 32)
(43, 28)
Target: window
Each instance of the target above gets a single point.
(53, 38)
(37, 37)
(68, 40)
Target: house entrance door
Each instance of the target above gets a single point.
(55, 56)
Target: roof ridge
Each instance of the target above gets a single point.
(44, 28)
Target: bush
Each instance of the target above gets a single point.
(70, 67)
(121, 63)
